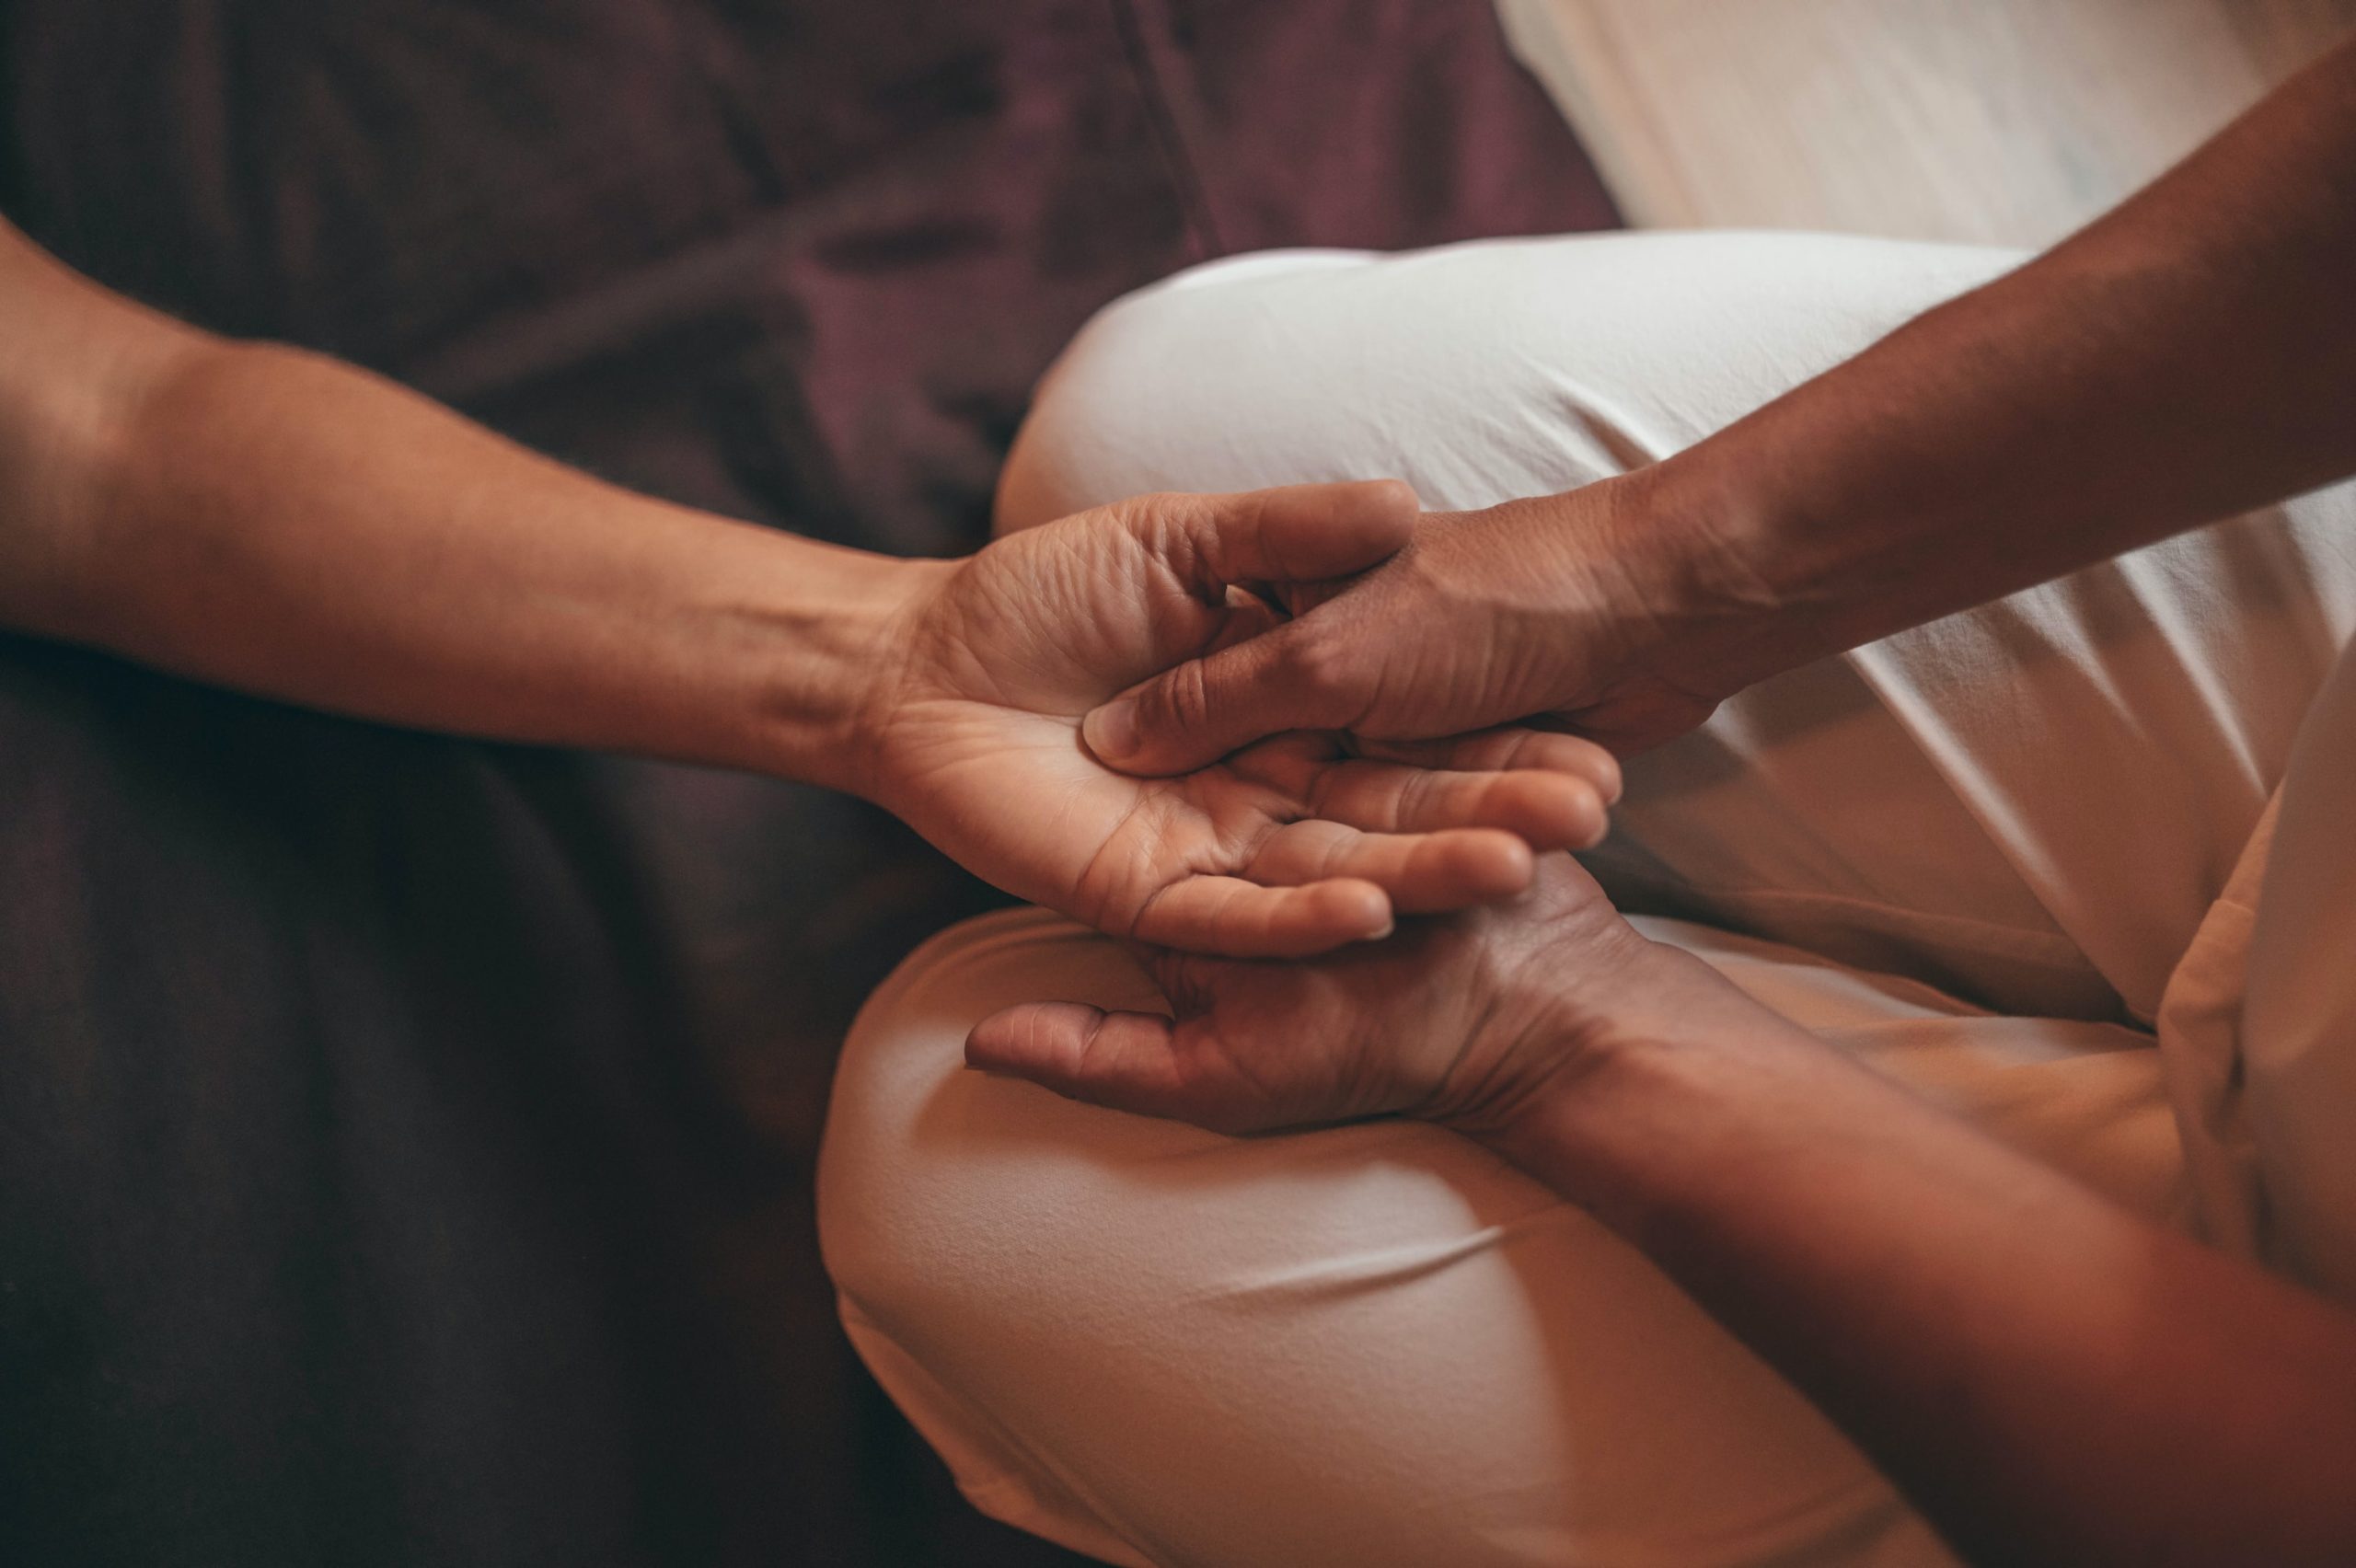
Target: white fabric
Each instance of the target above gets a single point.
(1378, 1345)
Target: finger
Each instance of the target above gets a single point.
(1546, 810)
(1125, 1060)
(1243, 919)
(1291, 534)
(1423, 874)
(1511, 747)
(1202, 709)
(1194, 713)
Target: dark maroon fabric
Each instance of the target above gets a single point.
(795, 262)
(405, 1142)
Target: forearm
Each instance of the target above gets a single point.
(282, 524)
(2191, 355)
(2049, 1377)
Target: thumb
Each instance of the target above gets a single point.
(1193, 714)
(1290, 533)
(1127, 1061)
(1197, 713)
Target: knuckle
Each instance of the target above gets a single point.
(1418, 794)
(1319, 669)
(1089, 1062)
(1151, 515)
(1187, 696)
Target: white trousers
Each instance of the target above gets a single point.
(1975, 855)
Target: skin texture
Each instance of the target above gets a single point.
(277, 521)
(2049, 1378)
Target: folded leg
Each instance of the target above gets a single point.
(1368, 1345)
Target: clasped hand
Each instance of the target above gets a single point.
(1291, 845)
(1542, 607)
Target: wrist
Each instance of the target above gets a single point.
(1700, 537)
(841, 629)
(1635, 1064)
(1545, 1027)
(1550, 1128)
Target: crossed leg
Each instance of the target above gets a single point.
(1377, 1345)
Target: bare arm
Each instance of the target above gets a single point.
(2189, 356)
(274, 521)
(277, 521)
(2186, 358)
(2049, 1378)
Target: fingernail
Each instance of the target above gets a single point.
(1388, 927)
(1110, 731)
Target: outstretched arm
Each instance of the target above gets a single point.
(278, 522)
(2187, 357)
(275, 521)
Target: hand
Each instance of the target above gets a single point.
(1462, 1020)
(1291, 846)
(1568, 606)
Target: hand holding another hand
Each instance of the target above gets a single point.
(1583, 607)
(1291, 846)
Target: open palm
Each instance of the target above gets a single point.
(1292, 846)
